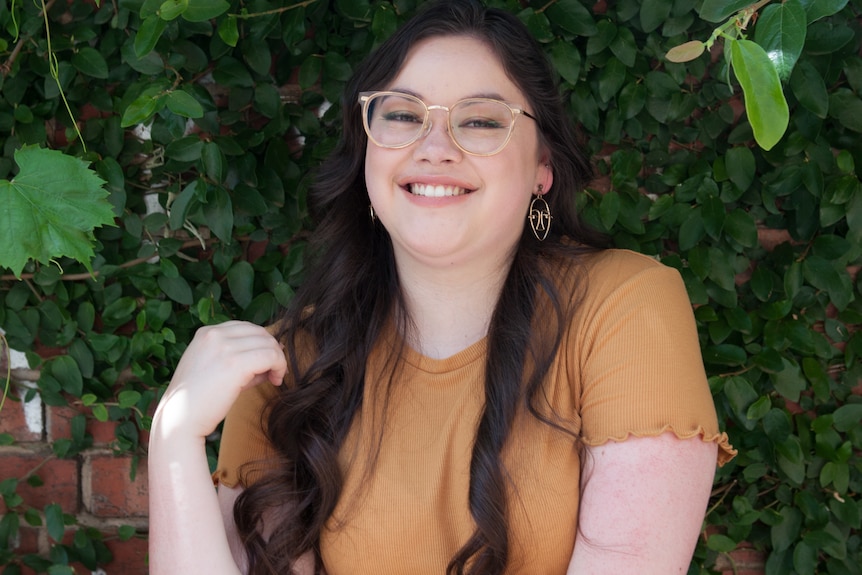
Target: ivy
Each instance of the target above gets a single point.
(726, 137)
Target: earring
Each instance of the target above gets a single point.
(371, 212)
(540, 216)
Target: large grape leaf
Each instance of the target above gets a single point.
(50, 209)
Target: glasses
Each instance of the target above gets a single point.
(478, 126)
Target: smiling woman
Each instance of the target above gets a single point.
(474, 385)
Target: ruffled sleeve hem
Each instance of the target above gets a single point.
(726, 452)
(226, 478)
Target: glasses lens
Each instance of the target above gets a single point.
(394, 121)
(481, 126)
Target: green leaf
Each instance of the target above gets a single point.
(740, 167)
(384, 22)
(100, 412)
(846, 107)
(567, 60)
(724, 354)
(789, 382)
(176, 288)
(309, 71)
(653, 13)
(786, 531)
(718, 10)
(759, 409)
(240, 280)
(829, 277)
(128, 398)
(781, 32)
(228, 31)
(90, 62)
(808, 87)
(148, 35)
(572, 16)
(214, 161)
(609, 209)
(125, 532)
(624, 46)
(203, 10)
(150, 101)
(741, 227)
(720, 543)
(183, 104)
(765, 105)
(740, 394)
(611, 79)
(66, 371)
(691, 231)
(55, 523)
(355, 9)
(631, 99)
(233, 73)
(171, 9)
(186, 149)
(336, 67)
(50, 209)
(219, 214)
(817, 9)
(847, 416)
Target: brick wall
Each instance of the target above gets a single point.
(95, 485)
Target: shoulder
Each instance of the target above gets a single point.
(595, 277)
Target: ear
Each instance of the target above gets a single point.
(545, 174)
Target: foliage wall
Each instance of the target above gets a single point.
(202, 119)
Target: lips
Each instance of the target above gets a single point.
(435, 191)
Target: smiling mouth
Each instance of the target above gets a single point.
(435, 191)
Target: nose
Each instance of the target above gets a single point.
(436, 144)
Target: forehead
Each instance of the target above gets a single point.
(449, 68)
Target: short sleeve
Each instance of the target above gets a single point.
(245, 449)
(641, 368)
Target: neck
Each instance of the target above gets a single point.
(450, 308)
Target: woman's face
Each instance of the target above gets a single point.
(484, 218)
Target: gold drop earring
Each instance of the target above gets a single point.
(540, 215)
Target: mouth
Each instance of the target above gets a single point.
(438, 191)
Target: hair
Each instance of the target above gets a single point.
(352, 291)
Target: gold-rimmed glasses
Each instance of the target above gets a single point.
(478, 126)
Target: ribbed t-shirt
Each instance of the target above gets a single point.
(629, 365)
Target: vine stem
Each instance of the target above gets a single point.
(273, 11)
(54, 66)
(7, 351)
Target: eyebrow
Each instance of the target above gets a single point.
(489, 95)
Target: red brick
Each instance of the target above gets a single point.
(60, 477)
(742, 561)
(108, 491)
(59, 425)
(130, 557)
(14, 422)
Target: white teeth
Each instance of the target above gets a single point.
(436, 191)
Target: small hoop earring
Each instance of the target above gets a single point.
(371, 213)
(540, 216)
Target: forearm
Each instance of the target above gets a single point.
(187, 534)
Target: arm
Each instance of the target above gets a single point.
(187, 534)
(642, 505)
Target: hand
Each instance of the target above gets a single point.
(221, 361)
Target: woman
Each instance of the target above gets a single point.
(473, 385)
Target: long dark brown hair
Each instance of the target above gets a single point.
(352, 292)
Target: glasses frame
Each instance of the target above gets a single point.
(366, 97)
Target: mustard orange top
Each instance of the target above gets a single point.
(629, 364)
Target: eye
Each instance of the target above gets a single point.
(476, 122)
(402, 116)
